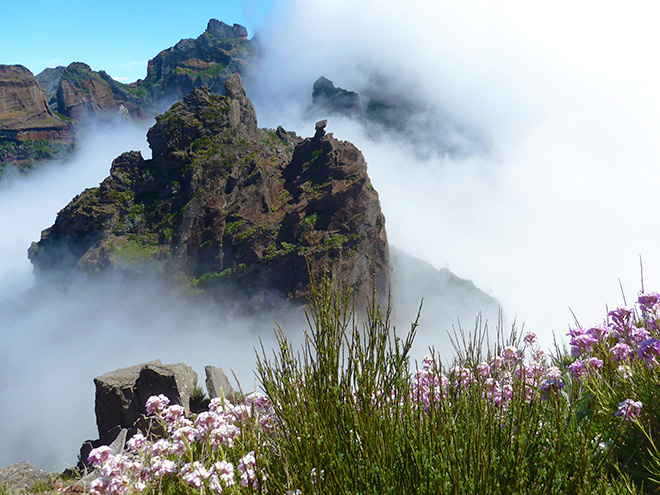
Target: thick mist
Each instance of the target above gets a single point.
(555, 201)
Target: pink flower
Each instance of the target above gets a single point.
(260, 402)
(218, 405)
(246, 466)
(194, 474)
(577, 369)
(581, 342)
(99, 455)
(239, 413)
(161, 467)
(530, 338)
(649, 302)
(483, 369)
(594, 363)
(621, 318)
(187, 433)
(512, 354)
(638, 334)
(539, 356)
(156, 403)
(621, 352)
(225, 472)
(629, 409)
(161, 448)
(224, 434)
(553, 372)
(136, 442)
(207, 421)
(534, 370)
(174, 415)
(649, 351)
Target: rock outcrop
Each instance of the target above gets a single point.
(394, 113)
(83, 93)
(224, 201)
(29, 131)
(208, 60)
(217, 383)
(335, 100)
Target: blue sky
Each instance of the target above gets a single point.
(118, 37)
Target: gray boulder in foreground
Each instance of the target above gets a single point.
(217, 383)
(121, 394)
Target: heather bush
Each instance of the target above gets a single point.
(615, 370)
(355, 416)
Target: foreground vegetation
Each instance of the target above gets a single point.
(348, 413)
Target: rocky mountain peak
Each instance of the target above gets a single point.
(334, 99)
(202, 115)
(222, 30)
(223, 204)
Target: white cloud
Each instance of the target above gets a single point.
(561, 202)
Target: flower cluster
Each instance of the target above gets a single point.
(630, 337)
(203, 451)
(527, 364)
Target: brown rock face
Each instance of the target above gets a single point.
(208, 60)
(224, 201)
(83, 93)
(24, 112)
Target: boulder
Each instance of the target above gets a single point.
(121, 394)
(217, 383)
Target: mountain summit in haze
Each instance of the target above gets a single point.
(224, 202)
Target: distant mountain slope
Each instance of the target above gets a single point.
(208, 60)
(80, 93)
(29, 131)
